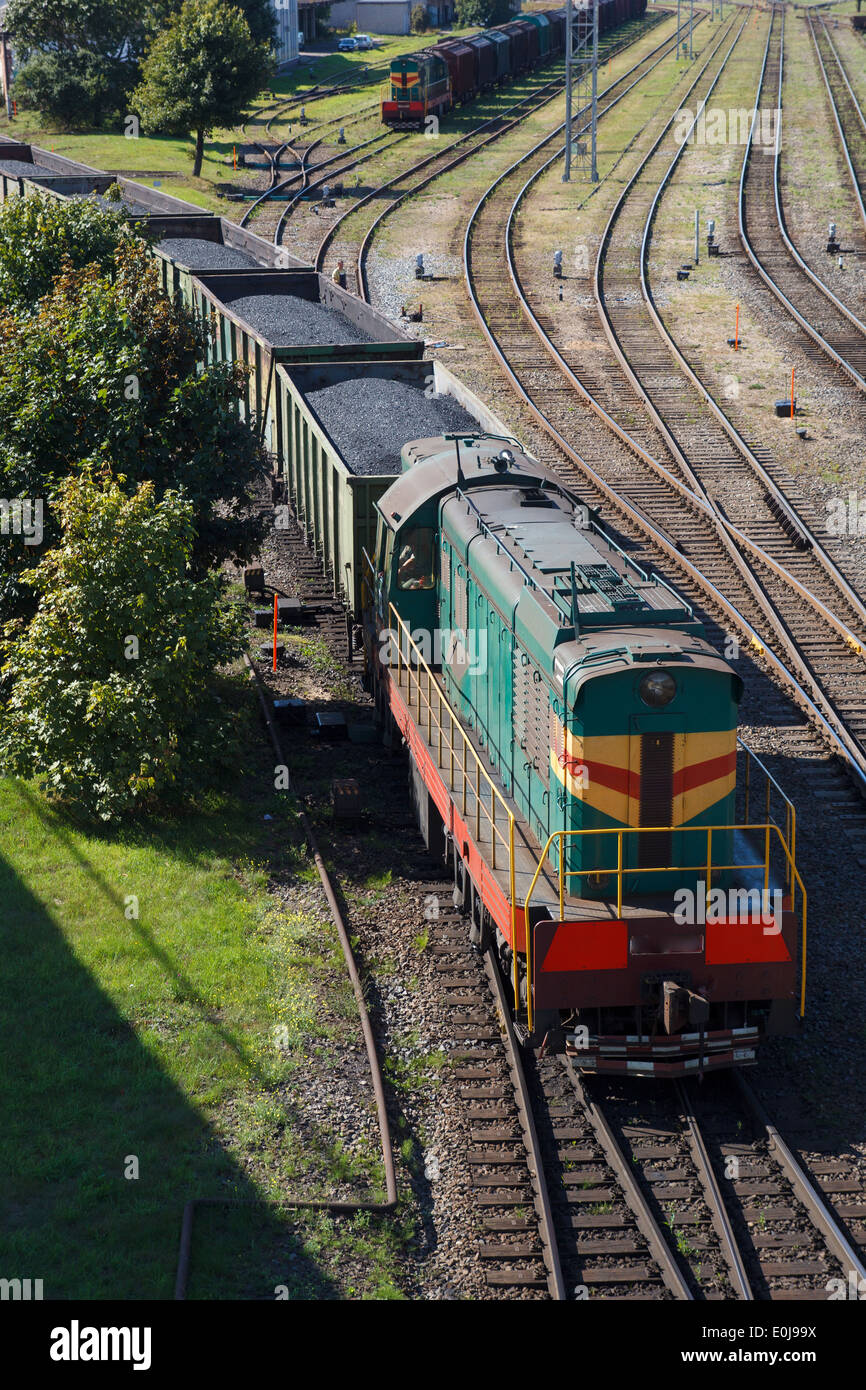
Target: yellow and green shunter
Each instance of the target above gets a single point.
(539, 675)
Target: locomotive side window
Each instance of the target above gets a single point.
(415, 561)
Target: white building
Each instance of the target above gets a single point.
(286, 42)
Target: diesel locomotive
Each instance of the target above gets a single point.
(573, 750)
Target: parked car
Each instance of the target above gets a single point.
(363, 41)
(347, 45)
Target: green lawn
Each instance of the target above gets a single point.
(167, 160)
(155, 1037)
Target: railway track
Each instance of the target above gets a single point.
(847, 112)
(660, 497)
(435, 166)
(831, 327)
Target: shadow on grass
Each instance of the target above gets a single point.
(80, 1093)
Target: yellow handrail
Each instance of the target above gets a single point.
(471, 765)
(768, 828)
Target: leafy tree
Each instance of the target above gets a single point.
(39, 234)
(483, 12)
(77, 58)
(107, 368)
(111, 696)
(418, 19)
(76, 89)
(201, 72)
(107, 27)
(259, 15)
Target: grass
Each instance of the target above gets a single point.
(172, 156)
(160, 1003)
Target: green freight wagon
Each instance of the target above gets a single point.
(178, 269)
(360, 332)
(335, 500)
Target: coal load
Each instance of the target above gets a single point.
(371, 418)
(23, 169)
(123, 205)
(287, 320)
(200, 254)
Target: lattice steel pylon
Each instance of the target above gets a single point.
(581, 89)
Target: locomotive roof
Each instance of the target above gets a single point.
(586, 577)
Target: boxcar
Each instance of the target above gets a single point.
(556, 19)
(533, 46)
(502, 51)
(335, 503)
(486, 61)
(519, 35)
(462, 63)
(541, 23)
(237, 340)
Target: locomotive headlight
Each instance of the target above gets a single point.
(657, 688)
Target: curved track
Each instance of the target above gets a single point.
(847, 113)
(672, 511)
(838, 333)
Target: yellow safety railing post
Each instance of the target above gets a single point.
(709, 878)
(513, 891)
(477, 802)
(748, 783)
(619, 873)
(493, 829)
(561, 878)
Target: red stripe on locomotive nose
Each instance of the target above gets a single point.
(588, 946)
(744, 943)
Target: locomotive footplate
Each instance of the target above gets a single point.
(681, 1055)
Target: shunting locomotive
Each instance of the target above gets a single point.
(574, 752)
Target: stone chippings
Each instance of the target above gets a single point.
(201, 254)
(371, 418)
(287, 319)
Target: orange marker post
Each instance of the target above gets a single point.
(737, 331)
(792, 393)
(275, 632)
(235, 157)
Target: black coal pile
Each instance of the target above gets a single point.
(286, 319)
(200, 254)
(124, 205)
(371, 418)
(23, 169)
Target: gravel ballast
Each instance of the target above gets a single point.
(370, 419)
(286, 319)
(200, 254)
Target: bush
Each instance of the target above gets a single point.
(107, 368)
(111, 699)
(418, 22)
(39, 235)
(75, 88)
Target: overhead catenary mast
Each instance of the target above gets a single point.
(581, 81)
